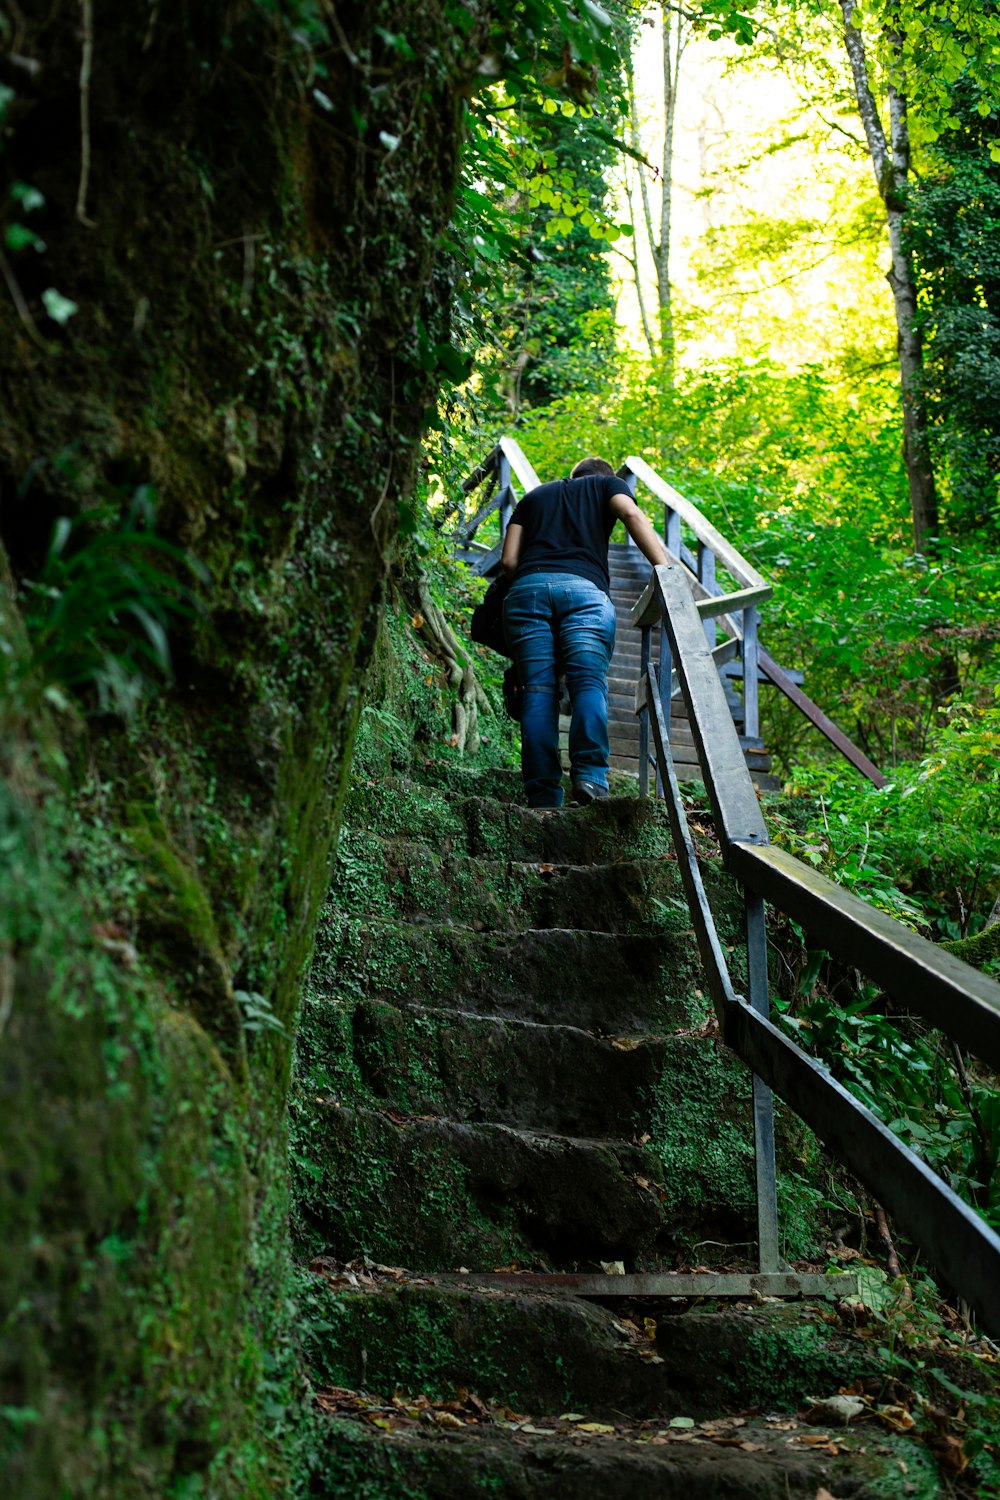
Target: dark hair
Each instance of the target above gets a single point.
(591, 466)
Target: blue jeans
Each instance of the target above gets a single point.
(560, 623)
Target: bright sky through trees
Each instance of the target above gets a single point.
(779, 242)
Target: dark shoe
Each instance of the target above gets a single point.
(588, 791)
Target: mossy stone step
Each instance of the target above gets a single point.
(501, 783)
(545, 1353)
(615, 828)
(486, 1068)
(359, 1463)
(411, 881)
(604, 982)
(442, 1193)
(618, 827)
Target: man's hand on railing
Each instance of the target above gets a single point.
(639, 528)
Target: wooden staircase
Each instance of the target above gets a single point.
(727, 589)
(629, 574)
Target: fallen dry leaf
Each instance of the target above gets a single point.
(840, 1409)
(949, 1451)
(896, 1417)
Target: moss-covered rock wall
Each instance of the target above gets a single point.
(245, 204)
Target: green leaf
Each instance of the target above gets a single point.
(19, 237)
(29, 197)
(597, 14)
(457, 366)
(59, 308)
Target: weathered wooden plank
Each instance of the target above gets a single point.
(515, 456)
(486, 559)
(484, 469)
(958, 1243)
(746, 1286)
(819, 719)
(925, 978)
(731, 792)
(725, 608)
(721, 654)
(495, 500)
(725, 553)
(728, 604)
(712, 958)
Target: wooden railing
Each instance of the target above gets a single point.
(962, 1002)
(497, 471)
(734, 613)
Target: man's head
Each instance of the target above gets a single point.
(591, 466)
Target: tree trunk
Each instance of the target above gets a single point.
(674, 38)
(891, 164)
(636, 143)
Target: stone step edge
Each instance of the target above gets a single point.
(636, 1039)
(597, 1143)
(557, 867)
(507, 935)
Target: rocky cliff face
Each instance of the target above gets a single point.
(245, 203)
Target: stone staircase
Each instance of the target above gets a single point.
(629, 574)
(507, 1061)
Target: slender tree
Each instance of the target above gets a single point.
(890, 158)
(675, 33)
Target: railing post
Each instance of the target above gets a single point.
(503, 483)
(763, 1102)
(751, 673)
(644, 649)
(672, 531)
(706, 575)
(507, 503)
(628, 478)
(665, 670)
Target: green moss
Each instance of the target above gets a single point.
(982, 950)
(702, 1129)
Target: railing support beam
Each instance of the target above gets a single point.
(763, 1101)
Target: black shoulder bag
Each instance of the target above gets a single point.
(487, 617)
(487, 630)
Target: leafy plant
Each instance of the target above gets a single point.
(98, 617)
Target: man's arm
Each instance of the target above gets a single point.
(638, 526)
(511, 555)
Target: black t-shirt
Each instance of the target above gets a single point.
(567, 525)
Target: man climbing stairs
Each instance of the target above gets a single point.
(507, 1062)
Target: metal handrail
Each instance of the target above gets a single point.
(958, 999)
